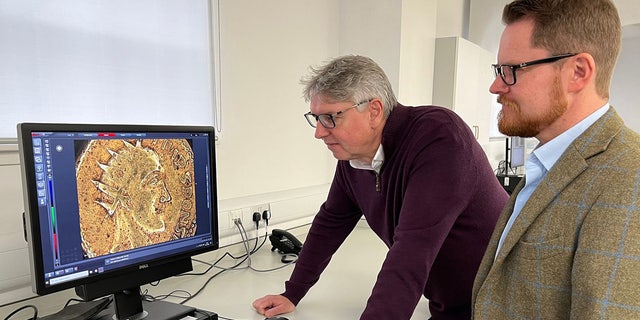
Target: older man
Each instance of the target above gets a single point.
(420, 179)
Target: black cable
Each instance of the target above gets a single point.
(246, 256)
(201, 261)
(18, 301)
(35, 312)
(204, 286)
(238, 224)
(256, 219)
(226, 254)
(285, 259)
(266, 215)
(72, 300)
(172, 294)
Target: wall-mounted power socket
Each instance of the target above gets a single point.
(245, 215)
(235, 214)
(259, 208)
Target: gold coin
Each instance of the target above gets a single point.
(134, 193)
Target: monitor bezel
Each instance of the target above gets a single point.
(31, 215)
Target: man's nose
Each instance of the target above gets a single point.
(321, 131)
(498, 86)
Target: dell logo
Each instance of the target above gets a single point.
(143, 266)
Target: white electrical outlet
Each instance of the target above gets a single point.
(260, 208)
(233, 215)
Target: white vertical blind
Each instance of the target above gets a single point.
(106, 61)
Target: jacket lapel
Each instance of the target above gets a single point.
(569, 166)
(562, 173)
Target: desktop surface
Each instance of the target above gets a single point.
(341, 292)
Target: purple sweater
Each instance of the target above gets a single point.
(434, 204)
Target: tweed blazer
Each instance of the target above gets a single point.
(574, 250)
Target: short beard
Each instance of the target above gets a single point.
(521, 126)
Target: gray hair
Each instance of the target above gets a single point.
(350, 78)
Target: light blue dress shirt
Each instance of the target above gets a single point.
(540, 162)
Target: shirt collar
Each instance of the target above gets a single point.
(375, 164)
(550, 152)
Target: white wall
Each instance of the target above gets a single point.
(417, 50)
(398, 35)
(453, 18)
(267, 153)
(265, 49)
(624, 87)
(372, 30)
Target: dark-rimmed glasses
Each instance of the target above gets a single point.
(327, 119)
(507, 72)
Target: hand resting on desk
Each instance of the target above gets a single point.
(272, 305)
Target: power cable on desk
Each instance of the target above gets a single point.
(172, 294)
(247, 257)
(18, 301)
(191, 296)
(245, 238)
(35, 312)
(81, 310)
(244, 257)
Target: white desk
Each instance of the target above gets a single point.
(341, 293)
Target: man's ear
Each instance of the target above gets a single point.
(583, 72)
(376, 112)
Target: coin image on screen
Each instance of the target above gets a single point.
(134, 193)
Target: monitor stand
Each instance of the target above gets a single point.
(152, 310)
(128, 305)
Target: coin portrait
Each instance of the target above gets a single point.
(134, 193)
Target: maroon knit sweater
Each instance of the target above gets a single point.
(434, 204)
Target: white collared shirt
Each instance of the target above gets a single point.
(375, 164)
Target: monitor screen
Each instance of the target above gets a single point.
(516, 152)
(113, 207)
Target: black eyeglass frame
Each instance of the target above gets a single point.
(498, 71)
(324, 117)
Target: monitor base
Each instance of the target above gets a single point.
(161, 310)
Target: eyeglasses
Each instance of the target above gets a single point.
(508, 71)
(327, 120)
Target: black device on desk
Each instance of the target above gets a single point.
(284, 242)
(509, 182)
(109, 208)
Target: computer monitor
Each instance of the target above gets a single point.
(516, 152)
(109, 208)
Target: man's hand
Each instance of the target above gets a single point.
(273, 305)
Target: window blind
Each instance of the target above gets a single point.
(107, 61)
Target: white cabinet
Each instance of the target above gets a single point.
(461, 79)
